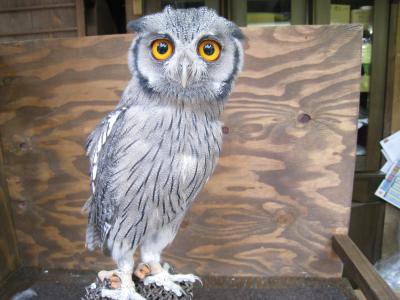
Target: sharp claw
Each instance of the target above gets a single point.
(188, 277)
(167, 281)
(122, 286)
(121, 294)
(106, 274)
(199, 280)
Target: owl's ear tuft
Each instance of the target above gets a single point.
(237, 32)
(137, 25)
(168, 9)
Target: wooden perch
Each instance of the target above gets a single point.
(361, 270)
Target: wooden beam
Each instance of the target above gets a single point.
(37, 7)
(361, 270)
(359, 295)
(40, 31)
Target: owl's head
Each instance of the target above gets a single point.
(186, 54)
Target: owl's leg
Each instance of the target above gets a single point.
(151, 255)
(126, 291)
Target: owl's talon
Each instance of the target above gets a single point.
(122, 286)
(112, 276)
(106, 274)
(186, 277)
(167, 281)
(123, 293)
(142, 270)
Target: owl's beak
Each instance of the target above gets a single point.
(184, 74)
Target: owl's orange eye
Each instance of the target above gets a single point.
(162, 49)
(209, 50)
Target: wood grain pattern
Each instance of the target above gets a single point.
(283, 184)
(8, 241)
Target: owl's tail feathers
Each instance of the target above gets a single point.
(93, 239)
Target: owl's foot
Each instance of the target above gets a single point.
(122, 293)
(112, 276)
(167, 281)
(122, 286)
(142, 270)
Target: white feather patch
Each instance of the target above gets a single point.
(106, 130)
(25, 295)
(188, 164)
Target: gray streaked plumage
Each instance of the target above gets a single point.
(152, 155)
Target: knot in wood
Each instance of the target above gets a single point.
(283, 217)
(304, 118)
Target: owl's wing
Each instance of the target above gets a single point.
(99, 207)
(97, 139)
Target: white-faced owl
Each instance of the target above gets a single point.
(153, 154)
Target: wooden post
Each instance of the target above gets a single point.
(152, 6)
(321, 11)
(80, 17)
(133, 9)
(214, 4)
(378, 80)
(392, 107)
(298, 12)
(239, 12)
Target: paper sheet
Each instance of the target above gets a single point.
(389, 189)
(391, 146)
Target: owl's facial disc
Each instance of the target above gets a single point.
(189, 55)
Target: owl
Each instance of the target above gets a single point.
(153, 154)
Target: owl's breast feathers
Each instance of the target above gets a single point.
(147, 165)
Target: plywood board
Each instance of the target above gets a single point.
(8, 241)
(282, 187)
